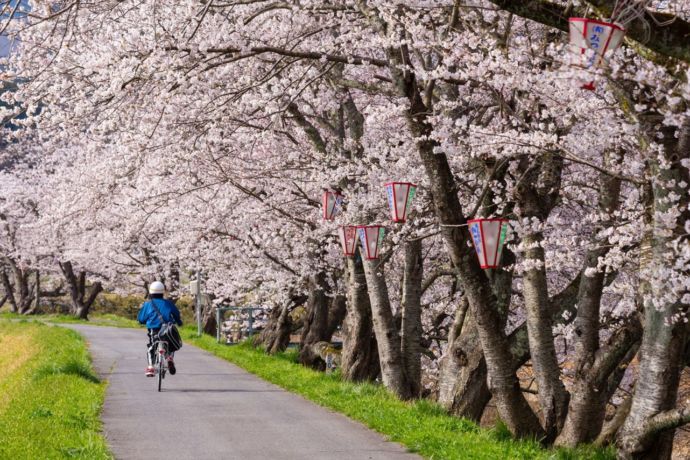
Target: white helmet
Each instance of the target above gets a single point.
(156, 288)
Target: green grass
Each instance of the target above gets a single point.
(105, 319)
(421, 426)
(53, 399)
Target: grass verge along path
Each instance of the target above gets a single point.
(95, 319)
(51, 398)
(421, 426)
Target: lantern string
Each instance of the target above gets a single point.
(627, 11)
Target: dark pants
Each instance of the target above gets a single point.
(152, 335)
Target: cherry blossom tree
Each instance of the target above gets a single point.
(202, 134)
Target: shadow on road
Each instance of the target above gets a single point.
(216, 390)
(180, 373)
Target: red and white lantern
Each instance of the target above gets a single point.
(348, 239)
(400, 196)
(598, 36)
(332, 203)
(488, 236)
(371, 237)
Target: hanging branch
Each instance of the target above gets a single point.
(668, 40)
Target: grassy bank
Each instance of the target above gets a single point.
(421, 426)
(105, 319)
(50, 398)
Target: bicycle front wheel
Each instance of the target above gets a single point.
(160, 373)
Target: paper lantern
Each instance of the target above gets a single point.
(400, 195)
(371, 237)
(332, 203)
(598, 36)
(348, 239)
(488, 236)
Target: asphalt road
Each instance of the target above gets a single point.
(214, 410)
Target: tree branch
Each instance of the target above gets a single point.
(670, 40)
(667, 420)
(354, 59)
(443, 271)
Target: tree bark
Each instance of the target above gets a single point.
(387, 337)
(588, 401)
(553, 399)
(315, 327)
(468, 388)
(336, 314)
(411, 328)
(9, 291)
(81, 305)
(209, 322)
(591, 388)
(664, 338)
(360, 358)
(276, 336)
(503, 382)
(462, 381)
(85, 308)
(664, 39)
(463, 389)
(22, 294)
(610, 429)
(37, 287)
(537, 194)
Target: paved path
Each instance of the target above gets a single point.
(214, 410)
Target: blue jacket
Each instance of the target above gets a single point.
(168, 310)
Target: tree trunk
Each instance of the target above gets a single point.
(360, 358)
(656, 387)
(664, 338)
(24, 295)
(276, 336)
(37, 287)
(209, 324)
(503, 382)
(610, 429)
(462, 381)
(411, 328)
(592, 388)
(553, 398)
(9, 291)
(588, 401)
(81, 305)
(315, 327)
(387, 337)
(512, 406)
(34, 294)
(336, 315)
(85, 307)
(72, 283)
(173, 283)
(511, 403)
(536, 195)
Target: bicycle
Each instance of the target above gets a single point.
(160, 360)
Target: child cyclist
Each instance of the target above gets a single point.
(150, 314)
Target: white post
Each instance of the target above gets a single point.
(197, 301)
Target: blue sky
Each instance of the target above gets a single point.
(4, 43)
(4, 46)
